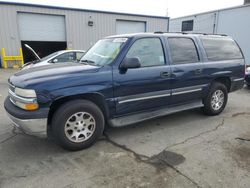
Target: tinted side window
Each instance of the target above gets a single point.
(183, 50)
(218, 49)
(148, 50)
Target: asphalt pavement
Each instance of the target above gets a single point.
(186, 149)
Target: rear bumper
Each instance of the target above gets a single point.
(30, 122)
(247, 78)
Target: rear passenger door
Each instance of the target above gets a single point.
(188, 78)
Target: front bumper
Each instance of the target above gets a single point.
(34, 127)
(30, 122)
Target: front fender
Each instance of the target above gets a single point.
(101, 95)
(80, 90)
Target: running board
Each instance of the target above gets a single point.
(136, 118)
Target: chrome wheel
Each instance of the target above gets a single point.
(80, 127)
(217, 100)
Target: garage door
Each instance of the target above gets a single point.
(125, 27)
(41, 27)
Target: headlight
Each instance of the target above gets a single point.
(29, 93)
(24, 98)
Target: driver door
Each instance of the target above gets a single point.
(147, 87)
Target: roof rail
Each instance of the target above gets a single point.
(162, 32)
(185, 33)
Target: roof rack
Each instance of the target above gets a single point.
(185, 33)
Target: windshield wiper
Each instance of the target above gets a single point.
(88, 62)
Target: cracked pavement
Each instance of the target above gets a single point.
(187, 149)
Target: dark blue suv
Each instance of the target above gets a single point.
(123, 80)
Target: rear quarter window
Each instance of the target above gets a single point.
(218, 49)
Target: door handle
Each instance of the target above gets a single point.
(198, 71)
(164, 74)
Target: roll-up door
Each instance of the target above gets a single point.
(125, 26)
(41, 27)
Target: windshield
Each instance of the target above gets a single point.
(104, 51)
(49, 56)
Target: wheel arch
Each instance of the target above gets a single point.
(96, 98)
(224, 80)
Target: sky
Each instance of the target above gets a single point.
(171, 8)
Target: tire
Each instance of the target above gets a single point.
(77, 124)
(213, 104)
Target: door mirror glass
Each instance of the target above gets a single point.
(130, 63)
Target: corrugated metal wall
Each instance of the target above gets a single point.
(234, 22)
(203, 23)
(79, 34)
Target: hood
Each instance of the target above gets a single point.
(32, 51)
(43, 74)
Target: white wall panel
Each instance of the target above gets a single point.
(78, 34)
(41, 27)
(236, 23)
(203, 23)
(126, 27)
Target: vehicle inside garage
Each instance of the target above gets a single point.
(42, 48)
(43, 32)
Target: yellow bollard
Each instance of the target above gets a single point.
(21, 55)
(12, 58)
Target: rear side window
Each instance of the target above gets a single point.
(183, 50)
(218, 49)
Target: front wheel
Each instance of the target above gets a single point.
(216, 100)
(77, 124)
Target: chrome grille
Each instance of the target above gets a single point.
(11, 93)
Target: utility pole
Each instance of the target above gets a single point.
(167, 13)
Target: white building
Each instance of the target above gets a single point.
(49, 28)
(233, 21)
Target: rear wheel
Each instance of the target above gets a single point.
(77, 124)
(216, 100)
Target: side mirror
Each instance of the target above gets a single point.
(55, 60)
(130, 63)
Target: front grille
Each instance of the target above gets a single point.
(11, 94)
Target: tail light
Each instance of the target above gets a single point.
(247, 70)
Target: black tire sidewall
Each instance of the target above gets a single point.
(67, 110)
(208, 109)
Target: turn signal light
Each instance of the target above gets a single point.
(31, 106)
